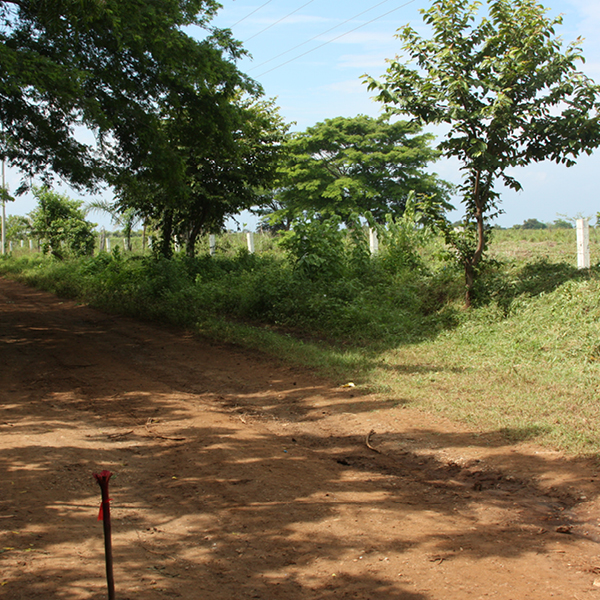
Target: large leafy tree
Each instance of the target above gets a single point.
(115, 67)
(222, 164)
(227, 172)
(508, 95)
(17, 227)
(354, 166)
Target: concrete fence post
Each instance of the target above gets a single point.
(583, 244)
(373, 241)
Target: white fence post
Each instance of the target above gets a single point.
(212, 244)
(31, 244)
(107, 244)
(583, 244)
(373, 241)
(250, 238)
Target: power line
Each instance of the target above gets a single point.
(360, 14)
(250, 14)
(279, 21)
(287, 62)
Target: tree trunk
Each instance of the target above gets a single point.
(166, 249)
(472, 262)
(197, 224)
(192, 238)
(469, 281)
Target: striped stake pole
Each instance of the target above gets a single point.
(104, 516)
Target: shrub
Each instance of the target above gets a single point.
(60, 225)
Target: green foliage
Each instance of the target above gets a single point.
(222, 165)
(316, 246)
(341, 299)
(17, 227)
(5, 195)
(355, 166)
(562, 224)
(402, 238)
(507, 93)
(117, 67)
(533, 224)
(60, 225)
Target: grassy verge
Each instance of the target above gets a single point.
(526, 361)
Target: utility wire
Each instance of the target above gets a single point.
(360, 14)
(277, 22)
(335, 38)
(249, 15)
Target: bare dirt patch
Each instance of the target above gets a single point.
(239, 477)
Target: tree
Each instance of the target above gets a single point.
(116, 67)
(359, 165)
(533, 224)
(561, 224)
(274, 217)
(228, 175)
(60, 224)
(17, 227)
(222, 165)
(507, 94)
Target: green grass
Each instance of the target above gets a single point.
(525, 361)
(532, 374)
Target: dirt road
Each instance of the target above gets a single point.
(238, 477)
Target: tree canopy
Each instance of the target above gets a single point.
(222, 164)
(507, 93)
(359, 165)
(115, 67)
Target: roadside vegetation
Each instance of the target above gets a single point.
(524, 360)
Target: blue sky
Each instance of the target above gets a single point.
(325, 82)
(310, 56)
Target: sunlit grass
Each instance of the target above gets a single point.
(534, 374)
